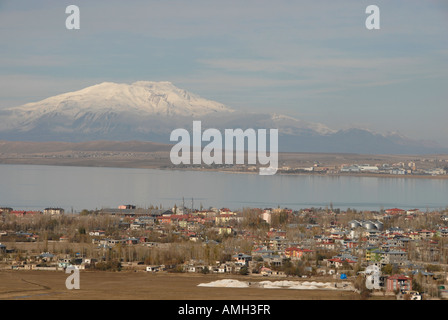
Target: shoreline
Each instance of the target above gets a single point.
(111, 164)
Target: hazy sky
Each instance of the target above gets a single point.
(314, 60)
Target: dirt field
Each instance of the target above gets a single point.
(50, 285)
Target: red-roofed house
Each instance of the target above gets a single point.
(399, 282)
(20, 213)
(413, 211)
(337, 262)
(294, 252)
(395, 211)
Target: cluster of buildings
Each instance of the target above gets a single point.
(399, 168)
(22, 213)
(322, 242)
(395, 169)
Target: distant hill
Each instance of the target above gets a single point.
(56, 146)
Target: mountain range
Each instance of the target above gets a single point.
(149, 111)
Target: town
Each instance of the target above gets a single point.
(409, 247)
(321, 165)
(396, 169)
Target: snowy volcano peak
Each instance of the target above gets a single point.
(145, 97)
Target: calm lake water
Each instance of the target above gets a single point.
(75, 188)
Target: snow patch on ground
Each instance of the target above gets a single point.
(283, 284)
(227, 283)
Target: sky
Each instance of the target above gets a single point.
(313, 60)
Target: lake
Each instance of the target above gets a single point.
(33, 187)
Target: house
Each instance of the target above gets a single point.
(261, 251)
(64, 263)
(153, 268)
(397, 242)
(278, 243)
(279, 234)
(337, 236)
(395, 211)
(224, 218)
(265, 271)
(177, 219)
(350, 244)
(164, 219)
(398, 171)
(338, 262)
(47, 256)
(18, 213)
(224, 268)
(425, 234)
(53, 211)
(266, 216)
(443, 232)
(137, 225)
(97, 233)
(190, 268)
(384, 257)
(194, 268)
(242, 258)
(328, 245)
(225, 230)
(396, 257)
(273, 260)
(398, 282)
(296, 253)
(394, 231)
(111, 242)
(350, 168)
(368, 168)
(126, 206)
(192, 236)
(22, 213)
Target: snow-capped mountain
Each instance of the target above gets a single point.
(107, 110)
(149, 111)
(139, 110)
(142, 98)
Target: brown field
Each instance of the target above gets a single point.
(50, 285)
